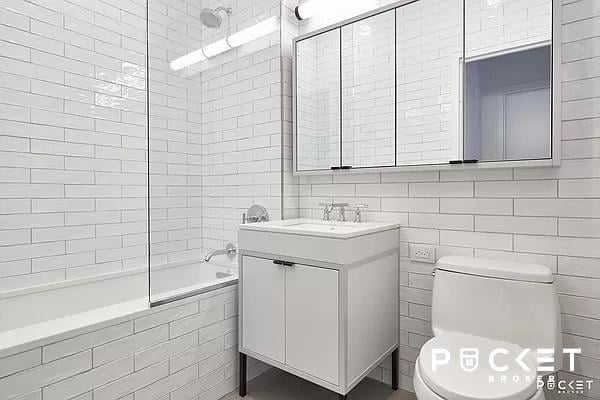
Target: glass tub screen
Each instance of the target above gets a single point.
(212, 111)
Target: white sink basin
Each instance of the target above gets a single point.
(312, 227)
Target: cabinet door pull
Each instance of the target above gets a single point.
(284, 263)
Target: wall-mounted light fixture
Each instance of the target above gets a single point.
(333, 10)
(234, 40)
(306, 9)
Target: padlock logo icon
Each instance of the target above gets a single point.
(469, 359)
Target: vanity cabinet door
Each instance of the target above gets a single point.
(263, 307)
(312, 321)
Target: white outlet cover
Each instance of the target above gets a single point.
(422, 253)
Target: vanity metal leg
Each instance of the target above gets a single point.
(395, 356)
(243, 366)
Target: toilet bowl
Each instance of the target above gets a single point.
(454, 378)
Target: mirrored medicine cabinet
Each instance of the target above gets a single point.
(429, 84)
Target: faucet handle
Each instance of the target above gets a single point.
(358, 212)
(327, 207)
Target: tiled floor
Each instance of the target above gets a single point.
(278, 385)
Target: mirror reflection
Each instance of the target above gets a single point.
(368, 86)
(429, 50)
(318, 102)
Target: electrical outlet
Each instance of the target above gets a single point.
(421, 253)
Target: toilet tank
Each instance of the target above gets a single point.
(507, 301)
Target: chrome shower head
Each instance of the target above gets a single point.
(211, 18)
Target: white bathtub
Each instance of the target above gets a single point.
(35, 313)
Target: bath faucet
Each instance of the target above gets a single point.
(230, 250)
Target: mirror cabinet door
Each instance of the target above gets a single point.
(368, 99)
(428, 57)
(508, 80)
(318, 102)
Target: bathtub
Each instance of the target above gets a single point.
(32, 314)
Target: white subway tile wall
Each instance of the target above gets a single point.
(72, 139)
(185, 350)
(541, 215)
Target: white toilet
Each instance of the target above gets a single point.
(479, 306)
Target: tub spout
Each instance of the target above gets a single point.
(230, 250)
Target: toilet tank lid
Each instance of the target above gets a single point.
(496, 269)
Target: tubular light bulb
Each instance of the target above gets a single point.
(244, 36)
(187, 60)
(216, 48)
(253, 32)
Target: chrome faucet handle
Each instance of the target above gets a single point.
(358, 212)
(328, 207)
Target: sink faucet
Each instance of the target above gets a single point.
(230, 250)
(328, 208)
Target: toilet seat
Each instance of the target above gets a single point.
(451, 382)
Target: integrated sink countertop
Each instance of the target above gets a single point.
(319, 228)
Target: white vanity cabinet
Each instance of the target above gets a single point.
(291, 315)
(320, 305)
